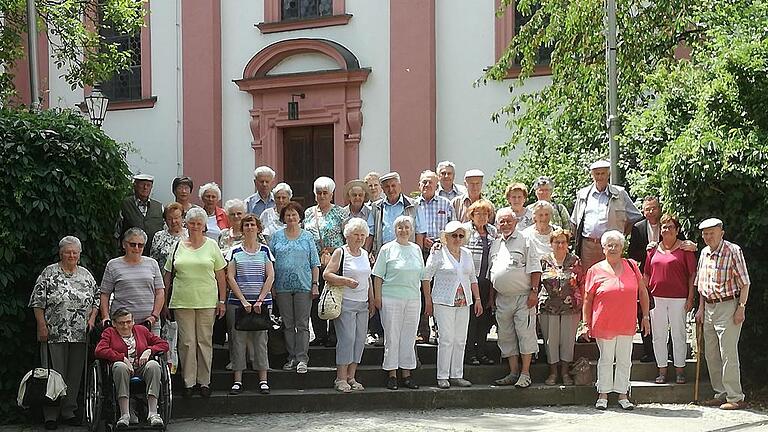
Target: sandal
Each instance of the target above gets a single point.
(680, 379)
(661, 379)
(356, 386)
(551, 380)
(263, 387)
(485, 360)
(342, 386)
(523, 382)
(567, 380)
(237, 388)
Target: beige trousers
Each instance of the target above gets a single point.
(195, 344)
(721, 349)
(591, 254)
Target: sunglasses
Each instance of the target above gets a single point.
(134, 244)
(461, 236)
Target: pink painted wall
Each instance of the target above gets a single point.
(201, 77)
(412, 89)
(21, 72)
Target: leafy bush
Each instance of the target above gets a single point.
(61, 176)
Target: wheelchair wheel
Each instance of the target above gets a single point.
(94, 397)
(165, 402)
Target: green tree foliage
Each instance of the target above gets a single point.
(62, 176)
(75, 44)
(695, 130)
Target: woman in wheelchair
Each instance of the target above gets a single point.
(129, 348)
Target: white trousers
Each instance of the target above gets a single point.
(668, 315)
(452, 340)
(619, 351)
(400, 319)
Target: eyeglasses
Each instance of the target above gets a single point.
(461, 236)
(136, 245)
(122, 323)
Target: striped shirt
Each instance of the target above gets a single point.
(480, 247)
(250, 273)
(721, 272)
(432, 215)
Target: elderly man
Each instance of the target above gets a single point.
(263, 199)
(141, 211)
(723, 284)
(515, 273)
(384, 212)
(473, 180)
(448, 188)
(600, 207)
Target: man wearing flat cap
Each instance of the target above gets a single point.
(473, 181)
(141, 211)
(723, 284)
(384, 211)
(600, 207)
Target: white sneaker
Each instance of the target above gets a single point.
(625, 404)
(601, 404)
(124, 421)
(155, 420)
(301, 368)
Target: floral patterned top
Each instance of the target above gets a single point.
(560, 292)
(67, 301)
(330, 226)
(163, 244)
(270, 220)
(228, 240)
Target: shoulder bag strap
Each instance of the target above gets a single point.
(317, 225)
(340, 272)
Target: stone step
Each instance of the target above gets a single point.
(373, 376)
(427, 397)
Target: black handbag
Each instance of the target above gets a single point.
(253, 321)
(36, 388)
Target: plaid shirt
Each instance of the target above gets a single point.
(432, 216)
(721, 272)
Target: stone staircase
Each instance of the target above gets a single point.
(292, 392)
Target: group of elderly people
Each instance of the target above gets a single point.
(446, 254)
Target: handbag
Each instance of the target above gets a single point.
(41, 386)
(329, 306)
(252, 321)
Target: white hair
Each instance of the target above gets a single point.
(356, 224)
(429, 174)
(135, 231)
(70, 241)
(196, 213)
(212, 186)
(324, 183)
(403, 219)
(264, 170)
(542, 205)
(283, 187)
(504, 210)
(234, 203)
(612, 235)
(445, 164)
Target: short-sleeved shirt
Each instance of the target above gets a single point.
(432, 215)
(294, 260)
(512, 262)
(668, 273)
(256, 204)
(455, 191)
(614, 302)
(250, 273)
(133, 286)
(449, 275)
(270, 220)
(163, 244)
(560, 288)
(326, 229)
(721, 272)
(401, 267)
(480, 247)
(539, 243)
(67, 301)
(194, 284)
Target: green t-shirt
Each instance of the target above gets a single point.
(401, 268)
(194, 285)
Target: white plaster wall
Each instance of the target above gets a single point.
(304, 63)
(366, 35)
(151, 132)
(464, 47)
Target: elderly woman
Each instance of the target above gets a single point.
(357, 194)
(216, 219)
(128, 348)
(670, 272)
(538, 234)
(270, 218)
(195, 275)
(65, 302)
(134, 283)
(560, 298)
(612, 288)
(374, 186)
(165, 241)
(517, 194)
(480, 235)
(450, 300)
(543, 188)
(349, 267)
(182, 190)
(250, 274)
(297, 269)
(398, 272)
(324, 221)
(232, 236)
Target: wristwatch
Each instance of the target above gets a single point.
(221, 302)
(744, 305)
(647, 318)
(157, 318)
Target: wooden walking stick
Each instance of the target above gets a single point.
(699, 331)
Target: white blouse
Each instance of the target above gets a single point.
(449, 274)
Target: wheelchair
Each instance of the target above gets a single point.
(101, 401)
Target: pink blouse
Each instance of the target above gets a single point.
(614, 301)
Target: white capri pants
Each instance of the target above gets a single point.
(559, 333)
(452, 340)
(668, 314)
(351, 329)
(610, 378)
(400, 319)
(516, 324)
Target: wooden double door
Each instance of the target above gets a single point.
(307, 155)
